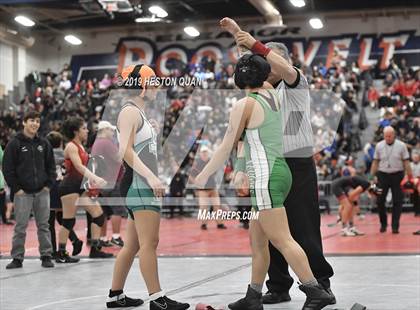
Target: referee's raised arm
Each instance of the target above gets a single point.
(279, 60)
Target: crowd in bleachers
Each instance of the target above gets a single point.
(396, 93)
(56, 98)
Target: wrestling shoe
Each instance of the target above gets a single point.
(77, 247)
(271, 298)
(316, 297)
(356, 231)
(95, 252)
(122, 301)
(333, 300)
(252, 301)
(117, 241)
(165, 303)
(65, 258)
(346, 232)
(105, 243)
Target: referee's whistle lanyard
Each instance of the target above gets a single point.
(388, 157)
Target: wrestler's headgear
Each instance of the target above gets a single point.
(136, 77)
(251, 71)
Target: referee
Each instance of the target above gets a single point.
(390, 160)
(302, 202)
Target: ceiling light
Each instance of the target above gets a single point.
(73, 39)
(147, 19)
(158, 11)
(23, 20)
(191, 31)
(316, 23)
(298, 3)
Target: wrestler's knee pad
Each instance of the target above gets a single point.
(100, 220)
(69, 223)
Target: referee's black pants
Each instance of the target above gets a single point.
(391, 181)
(304, 221)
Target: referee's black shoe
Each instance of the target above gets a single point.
(165, 303)
(271, 298)
(122, 301)
(251, 301)
(316, 297)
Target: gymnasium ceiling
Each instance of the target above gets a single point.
(88, 14)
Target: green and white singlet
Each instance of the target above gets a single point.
(140, 196)
(269, 175)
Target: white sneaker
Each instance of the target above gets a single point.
(347, 232)
(357, 232)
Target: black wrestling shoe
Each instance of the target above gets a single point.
(165, 303)
(122, 301)
(203, 226)
(105, 243)
(15, 263)
(65, 258)
(383, 229)
(46, 262)
(271, 298)
(333, 300)
(395, 231)
(221, 226)
(251, 301)
(96, 252)
(316, 297)
(77, 247)
(117, 241)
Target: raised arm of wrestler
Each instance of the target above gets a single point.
(281, 67)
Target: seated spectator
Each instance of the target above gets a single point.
(386, 120)
(373, 96)
(64, 84)
(105, 82)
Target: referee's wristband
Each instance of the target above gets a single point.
(260, 49)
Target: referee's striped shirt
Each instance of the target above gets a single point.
(295, 106)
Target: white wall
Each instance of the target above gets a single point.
(7, 71)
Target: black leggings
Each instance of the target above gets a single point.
(58, 215)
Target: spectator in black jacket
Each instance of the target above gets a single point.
(29, 170)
